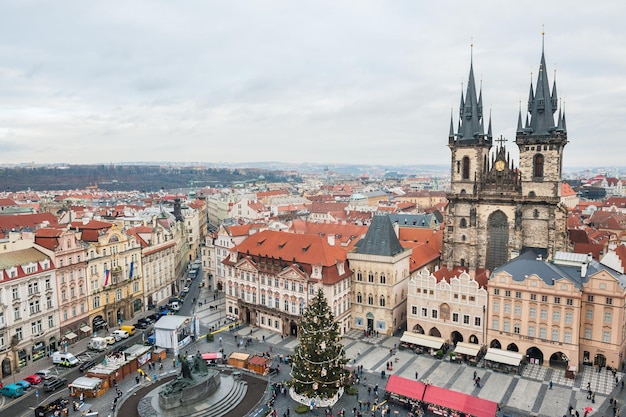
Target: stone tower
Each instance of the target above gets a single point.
(496, 210)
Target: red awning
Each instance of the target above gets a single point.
(211, 356)
(405, 387)
(458, 401)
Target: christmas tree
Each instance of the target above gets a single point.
(317, 368)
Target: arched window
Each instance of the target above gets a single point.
(538, 166)
(359, 298)
(466, 167)
(359, 276)
(383, 279)
(382, 301)
(536, 213)
(458, 167)
(370, 277)
(370, 299)
(463, 223)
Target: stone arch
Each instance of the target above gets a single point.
(534, 355)
(473, 339)
(512, 347)
(559, 360)
(434, 332)
(495, 343)
(456, 337)
(418, 329)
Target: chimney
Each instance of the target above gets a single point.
(331, 239)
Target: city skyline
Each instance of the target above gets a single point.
(312, 82)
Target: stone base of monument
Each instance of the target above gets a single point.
(228, 394)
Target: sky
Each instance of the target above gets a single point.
(354, 82)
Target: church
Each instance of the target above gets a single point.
(497, 210)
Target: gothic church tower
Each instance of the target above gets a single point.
(494, 209)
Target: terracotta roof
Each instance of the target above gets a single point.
(26, 221)
(567, 190)
(594, 248)
(91, 225)
(7, 202)
(481, 274)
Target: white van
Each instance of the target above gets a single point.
(119, 334)
(175, 306)
(65, 359)
(98, 343)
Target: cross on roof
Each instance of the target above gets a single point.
(501, 140)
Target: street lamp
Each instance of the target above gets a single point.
(484, 325)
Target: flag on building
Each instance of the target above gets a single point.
(106, 277)
(132, 267)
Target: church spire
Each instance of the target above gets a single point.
(542, 105)
(471, 127)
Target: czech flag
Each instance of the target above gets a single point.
(106, 277)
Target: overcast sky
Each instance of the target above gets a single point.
(297, 81)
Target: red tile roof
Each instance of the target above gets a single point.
(27, 221)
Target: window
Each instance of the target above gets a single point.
(16, 294)
(466, 167)
(16, 314)
(531, 331)
(455, 317)
(507, 308)
(587, 333)
(506, 326)
(569, 318)
(608, 317)
(382, 301)
(555, 335)
(569, 302)
(96, 301)
(18, 334)
(277, 303)
(556, 316)
(516, 328)
(463, 223)
(496, 291)
(359, 276)
(434, 314)
(383, 279)
(567, 337)
(609, 300)
(606, 337)
(495, 324)
(286, 306)
(370, 277)
(263, 299)
(359, 298)
(557, 300)
(507, 293)
(518, 310)
(477, 321)
(538, 166)
(466, 319)
(542, 332)
(518, 294)
(532, 312)
(370, 299)
(424, 312)
(544, 298)
(414, 310)
(51, 321)
(543, 314)
(589, 314)
(533, 297)
(590, 298)
(496, 306)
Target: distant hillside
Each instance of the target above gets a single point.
(131, 177)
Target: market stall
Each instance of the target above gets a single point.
(467, 352)
(90, 387)
(421, 343)
(174, 332)
(453, 403)
(239, 359)
(404, 391)
(504, 361)
(259, 364)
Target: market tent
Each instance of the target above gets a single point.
(470, 349)
(458, 401)
(405, 387)
(422, 340)
(506, 357)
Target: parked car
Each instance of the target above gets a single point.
(99, 323)
(24, 384)
(54, 384)
(33, 379)
(86, 365)
(45, 373)
(12, 390)
(110, 340)
(141, 324)
(119, 334)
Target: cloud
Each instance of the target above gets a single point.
(310, 81)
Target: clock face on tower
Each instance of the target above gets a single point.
(500, 165)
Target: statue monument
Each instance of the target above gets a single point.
(195, 383)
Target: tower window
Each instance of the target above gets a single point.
(463, 223)
(538, 166)
(458, 167)
(536, 213)
(466, 167)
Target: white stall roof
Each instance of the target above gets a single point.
(171, 322)
(470, 349)
(422, 340)
(506, 357)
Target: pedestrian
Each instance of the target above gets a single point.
(288, 412)
(137, 379)
(475, 375)
(416, 375)
(622, 382)
(550, 385)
